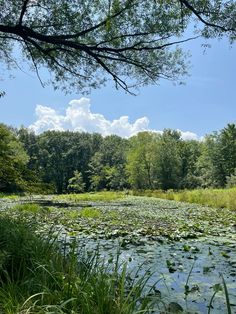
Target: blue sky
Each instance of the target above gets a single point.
(206, 103)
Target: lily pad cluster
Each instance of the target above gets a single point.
(132, 218)
(186, 245)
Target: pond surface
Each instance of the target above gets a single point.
(185, 248)
(197, 263)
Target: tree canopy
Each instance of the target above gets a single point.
(13, 160)
(83, 43)
(64, 161)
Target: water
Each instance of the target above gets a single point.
(199, 264)
(172, 265)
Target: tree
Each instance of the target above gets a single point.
(61, 153)
(168, 161)
(227, 140)
(231, 180)
(80, 42)
(217, 161)
(207, 173)
(13, 160)
(107, 166)
(141, 161)
(76, 184)
(31, 145)
(190, 152)
(209, 166)
(159, 161)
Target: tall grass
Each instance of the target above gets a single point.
(39, 276)
(105, 196)
(221, 198)
(35, 277)
(29, 208)
(10, 196)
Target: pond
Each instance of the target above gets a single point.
(186, 249)
(197, 264)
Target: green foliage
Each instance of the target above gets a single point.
(77, 53)
(36, 278)
(218, 158)
(107, 166)
(33, 208)
(221, 198)
(189, 154)
(206, 173)
(76, 184)
(9, 196)
(21, 253)
(231, 180)
(38, 187)
(228, 305)
(30, 208)
(127, 41)
(141, 161)
(89, 212)
(154, 160)
(98, 196)
(168, 160)
(130, 217)
(72, 282)
(228, 149)
(55, 156)
(76, 162)
(13, 160)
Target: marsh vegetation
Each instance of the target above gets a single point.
(126, 254)
(100, 225)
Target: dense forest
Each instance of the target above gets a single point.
(64, 162)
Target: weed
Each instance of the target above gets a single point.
(30, 208)
(218, 198)
(36, 278)
(72, 214)
(105, 196)
(226, 296)
(90, 212)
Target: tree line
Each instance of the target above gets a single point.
(64, 162)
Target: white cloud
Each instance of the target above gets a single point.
(186, 135)
(48, 119)
(79, 117)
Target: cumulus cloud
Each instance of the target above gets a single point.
(48, 119)
(79, 117)
(188, 135)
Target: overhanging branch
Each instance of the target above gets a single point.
(123, 39)
(23, 10)
(198, 15)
